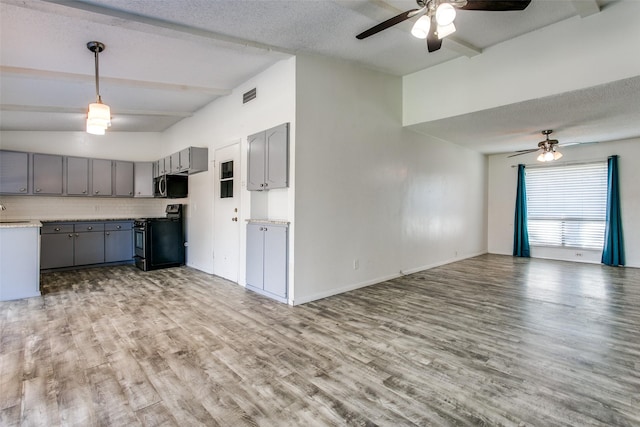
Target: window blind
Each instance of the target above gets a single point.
(566, 205)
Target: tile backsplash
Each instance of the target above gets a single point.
(80, 208)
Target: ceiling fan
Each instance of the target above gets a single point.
(547, 148)
(436, 17)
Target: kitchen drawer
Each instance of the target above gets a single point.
(118, 225)
(54, 228)
(89, 226)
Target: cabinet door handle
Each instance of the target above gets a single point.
(107, 233)
(57, 229)
(96, 192)
(118, 227)
(84, 191)
(38, 190)
(265, 229)
(70, 235)
(89, 228)
(266, 184)
(22, 190)
(77, 235)
(261, 185)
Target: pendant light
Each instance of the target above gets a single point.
(99, 115)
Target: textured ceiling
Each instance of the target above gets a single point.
(166, 59)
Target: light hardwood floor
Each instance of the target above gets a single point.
(492, 340)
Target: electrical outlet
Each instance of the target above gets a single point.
(579, 254)
(356, 264)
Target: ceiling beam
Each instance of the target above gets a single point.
(68, 110)
(109, 16)
(461, 47)
(586, 7)
(114, 81)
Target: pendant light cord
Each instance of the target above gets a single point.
(95, 53)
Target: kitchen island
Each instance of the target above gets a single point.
(19, 259)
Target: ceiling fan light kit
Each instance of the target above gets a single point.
(99, 114)
(420, 29)
(436, 18)
(549, 151)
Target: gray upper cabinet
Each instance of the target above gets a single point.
(101, 177)
(189, 161)
(162, 167)
(175, 163)
(123, 179)
(255, 159)
(268, 159)
(143, 179)
(14, 172)
(77, 176)
(47, 174)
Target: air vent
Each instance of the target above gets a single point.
(248, 96)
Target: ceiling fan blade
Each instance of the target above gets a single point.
(388, 23)
(568, 144)
(496, 5)
(433, 42)
(521, 152)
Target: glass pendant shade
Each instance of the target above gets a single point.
(445, 14)
(556, 155)
(98, 118)
(445, 30)
(99, 114)
(421, 27)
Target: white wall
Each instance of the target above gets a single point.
(131, 146)
(368, 191)
(444, 203)
(541, 63)
(502, 193)
(222, 123)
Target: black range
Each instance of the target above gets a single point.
(159, 242)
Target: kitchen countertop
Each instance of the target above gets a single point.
(268, 221)
(18, 223)
(89, 220)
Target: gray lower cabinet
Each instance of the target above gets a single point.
(56, 245)
(14, 172)
(47, 174)
(68, 244)
(89, 243)
(118, 241)
(267, 259)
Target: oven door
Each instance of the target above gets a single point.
(139, 242)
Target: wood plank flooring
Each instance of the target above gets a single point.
(492, 340)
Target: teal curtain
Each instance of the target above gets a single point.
(613, 252)
(520, 229)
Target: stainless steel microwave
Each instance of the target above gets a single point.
(171, 186)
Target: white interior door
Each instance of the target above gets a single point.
(226, 212)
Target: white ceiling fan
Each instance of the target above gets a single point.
(548, 148)
(436, 17)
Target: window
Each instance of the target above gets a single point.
(566, 205)
(226, 179)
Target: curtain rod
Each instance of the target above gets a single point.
(567, 163)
